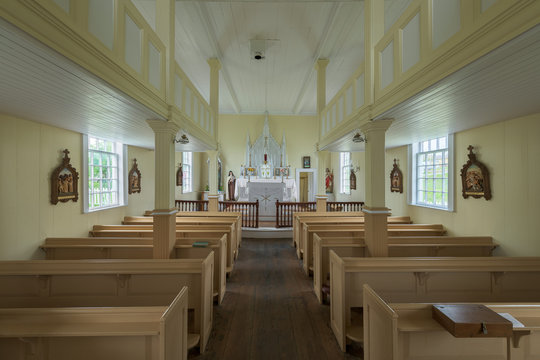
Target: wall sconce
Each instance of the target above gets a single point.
(358, 138)
(183, 139)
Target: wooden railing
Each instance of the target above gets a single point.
(344, 205)
(249, 210)
(191, 205)
(285, 210)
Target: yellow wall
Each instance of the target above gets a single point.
(397, 202)
(300, 135)
(29, 152)
(358, 160)
(510, 150)
(197, 170)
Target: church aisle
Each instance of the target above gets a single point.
(270, 310)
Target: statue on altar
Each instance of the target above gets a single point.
(231, 184)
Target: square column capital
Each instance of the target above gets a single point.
(160, 126)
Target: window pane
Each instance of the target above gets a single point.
(439, 185)
(421, 197)
(445, 199)
(425, 146)
(446, 157)
(115, 198)
(438, 171)
(445, 171)
(429, 159)
(433, 144)
(429, 172)
(429, 198)
(421, 172)
(421, 184)
(438, 157)
(442, 142)
(422, 159)
(96, 159)
(438, 199)
(429, 185)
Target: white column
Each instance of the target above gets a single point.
(376, 213)
(164, 210)
(212, 180)
(321, 196)
(215, 65)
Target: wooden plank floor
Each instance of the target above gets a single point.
(270, 310)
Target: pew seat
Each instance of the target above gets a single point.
(445, 279)
(410, 332)
(108, 333)
(357, 231)
(397, 247)
(140, 248)
(98, 283)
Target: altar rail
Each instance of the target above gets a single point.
(344, 205)
(191, 205)
(249, 210)
(285, 210)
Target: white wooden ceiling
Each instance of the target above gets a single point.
(501, 85)
(38, 84)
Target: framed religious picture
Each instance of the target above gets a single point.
(306, 162)
(64, 182)
(134, 179)
(352, 180)
(179, 175)
(277, 172)
(396, 179)
(475, 178)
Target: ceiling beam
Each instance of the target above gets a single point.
(329, 24)
(210, 31)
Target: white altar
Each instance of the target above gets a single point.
(267, 191)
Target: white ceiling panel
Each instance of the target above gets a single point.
(39, 84)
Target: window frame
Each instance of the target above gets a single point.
(121, 152)
(344, 173)
(187, 172)
(413, 152)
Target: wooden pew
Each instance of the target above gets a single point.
(106, 333)
(333, 217)
(235, 221)
(182, 231)
(299, 216)
(205, 214)
(357, 231)
(410, 332)
(471, 279)
(140, 248)
(397, 247)
(98, 283)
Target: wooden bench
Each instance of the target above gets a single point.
(397, 247)
(108, 333)
(333, 218)
(182, 231)
(235, 221)
(299, 216)
(209, 214)
(408, 331)
(471, 279)
(357, 231)
(139, 248)
(98, 283)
